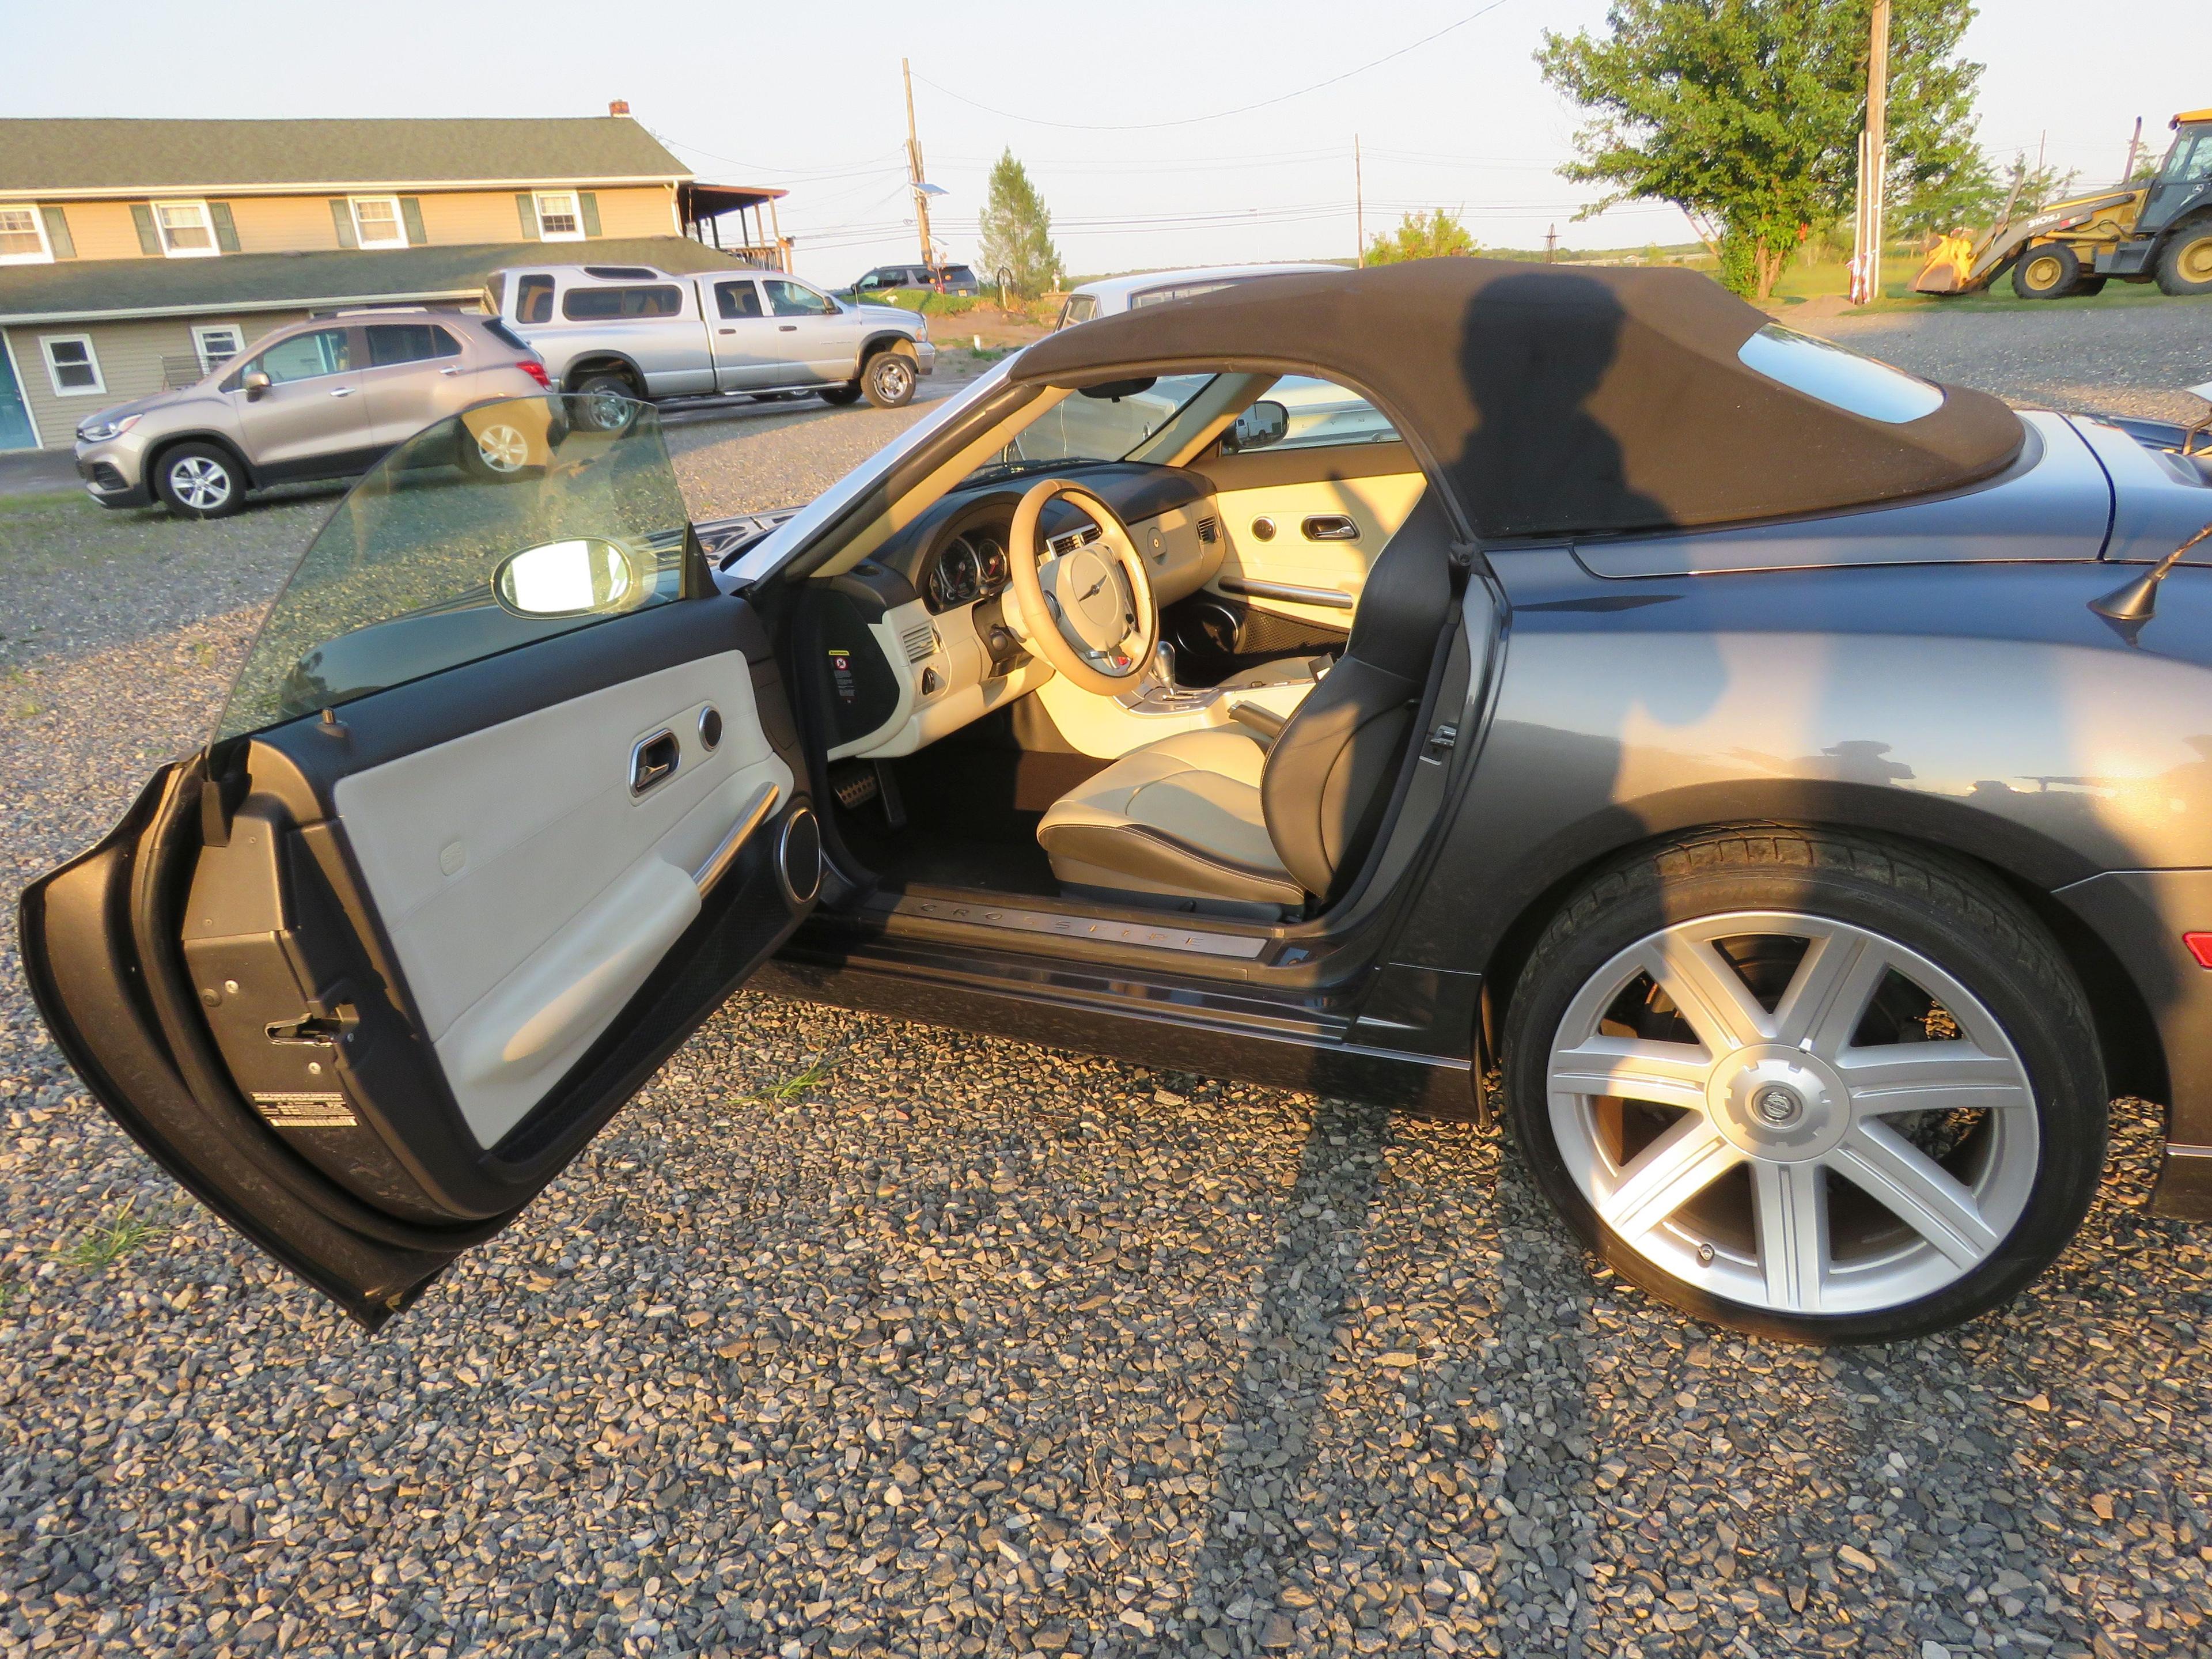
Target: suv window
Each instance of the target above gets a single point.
(1079, 308)
(795, 299)
(306, 356)
(533, 299)
(591, 304)
(408, 343)
(958, 274)
(737, 299)
(399, 586)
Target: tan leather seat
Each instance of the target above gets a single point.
(1180, 817)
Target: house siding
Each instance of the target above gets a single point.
(103, 230)
(283, 224)
(129, 356)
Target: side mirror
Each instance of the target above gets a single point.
(1264, 422)
(586, 577)
(255, 382)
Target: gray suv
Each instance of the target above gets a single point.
(320, 399)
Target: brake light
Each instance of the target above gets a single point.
(536, 371)
(2200, 946)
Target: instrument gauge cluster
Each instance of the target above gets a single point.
(971, 567)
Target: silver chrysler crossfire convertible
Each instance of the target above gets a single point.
(1781, 786)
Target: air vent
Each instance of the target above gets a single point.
(1209, 530)
(1068, 540)
(920, 641)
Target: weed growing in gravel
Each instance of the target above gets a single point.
(111, 1240)
(794, 1087)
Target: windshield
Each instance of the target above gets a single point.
(398, 584)
(1086, 426)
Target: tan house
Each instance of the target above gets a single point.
(137, 254)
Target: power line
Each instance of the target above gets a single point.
(1218, 115)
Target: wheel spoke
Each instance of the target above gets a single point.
(1916, 1190)
(1630, 1068)
(1710, 993)
(1673, 1169)
(1829, 993)
(1931, 1077)
(1789, 1202)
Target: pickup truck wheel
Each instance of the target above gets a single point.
(606, 401)
(840, 395)
(1810, 1084)
(2184, 263)
(199, 481)
(888, 380)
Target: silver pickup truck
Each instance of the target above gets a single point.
(643, 333)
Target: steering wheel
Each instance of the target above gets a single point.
(1090, 611)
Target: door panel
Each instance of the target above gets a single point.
(313, 414)
(1309, 497)
(527, 895)
(746, 339)
(372, 969)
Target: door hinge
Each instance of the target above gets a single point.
(1442, 739)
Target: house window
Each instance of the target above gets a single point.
(22, 236)
(187, 232)
(559, 219)
(376, 223)
(71, 366)
(217, 343)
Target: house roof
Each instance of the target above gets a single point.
(94, 290)
(72, 156)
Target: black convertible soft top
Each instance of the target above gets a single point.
(1557, 401)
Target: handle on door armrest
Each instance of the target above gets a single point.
(1331, 527)
(725, 851)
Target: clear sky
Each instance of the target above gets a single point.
(808, 97)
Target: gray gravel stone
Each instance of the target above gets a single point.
(966, 1347)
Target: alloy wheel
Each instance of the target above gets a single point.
(201, 484)
(894, 379)
(1793, 1113)
(504, 449)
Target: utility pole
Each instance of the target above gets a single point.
(1551, 244)
(1359, 201)
(1873, 161)
(915, 176)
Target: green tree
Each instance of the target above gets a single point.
(1017, 231)
(1422, 236)
(1746, 113)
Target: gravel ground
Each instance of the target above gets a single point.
(854, 1336)
(2121, 359)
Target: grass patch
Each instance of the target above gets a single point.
(108, 1242)
(796, 1086)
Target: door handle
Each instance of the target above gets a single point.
(344, 391)
(786, 328)
(725, 851)
(1331, 527)
(726, 331)
(653, 761)
(450, 371)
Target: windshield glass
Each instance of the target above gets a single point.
(1084, 427)
(398, 584)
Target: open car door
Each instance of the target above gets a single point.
(502, 807)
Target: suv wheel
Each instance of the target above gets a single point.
(2184, 263)
(199, 481)
(888, 380)
(1809, 1086)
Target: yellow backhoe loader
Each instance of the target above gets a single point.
(2157, 232)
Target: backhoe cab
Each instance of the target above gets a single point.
(2160, 231)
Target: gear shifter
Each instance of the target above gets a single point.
(1164, 666)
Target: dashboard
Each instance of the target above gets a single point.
(922, 636)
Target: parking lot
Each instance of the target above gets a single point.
(856, 1337)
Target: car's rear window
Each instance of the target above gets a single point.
(643, 300)
(1839, 376)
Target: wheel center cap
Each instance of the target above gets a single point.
(1779, 1104)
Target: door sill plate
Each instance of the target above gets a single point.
(1105, 930)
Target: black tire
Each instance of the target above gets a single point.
(889, 379)
(200, 481)
(605, 400)
(2184, 263)
(2048, 270)
(842, 395)
(1950, 915)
